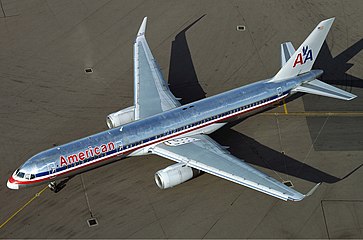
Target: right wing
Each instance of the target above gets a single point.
(203, 153)
(151, 92)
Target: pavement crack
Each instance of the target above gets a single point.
(86, 196)
(263, 218)
(312, 145)
(2, 8)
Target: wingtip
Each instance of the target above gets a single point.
(303, 196)
(312, 190)
(142, 27)
(352, 96)
(327, 21)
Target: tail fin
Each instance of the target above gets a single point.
(303, 59)
(287, 50)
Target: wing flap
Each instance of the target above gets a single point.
(320, 88)
(208, 156)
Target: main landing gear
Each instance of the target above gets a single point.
(56, 187)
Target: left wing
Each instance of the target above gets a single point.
(151, 92)
(203, 153)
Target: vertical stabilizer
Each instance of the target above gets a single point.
(304, 57)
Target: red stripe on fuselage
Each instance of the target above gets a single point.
(131, 150)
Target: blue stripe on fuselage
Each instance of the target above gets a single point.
(126, 148)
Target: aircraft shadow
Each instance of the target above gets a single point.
(335, 68)
(335, 73)
(257, 154)
(183, 80)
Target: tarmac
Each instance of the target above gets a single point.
(48, 99)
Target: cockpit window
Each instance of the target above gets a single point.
(27, 176)
(17, 170)
(32, 176)
(20, 174)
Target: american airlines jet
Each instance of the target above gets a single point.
(158, 124)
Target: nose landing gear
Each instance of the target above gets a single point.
(56, 187)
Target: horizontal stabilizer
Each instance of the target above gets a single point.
(320, 88)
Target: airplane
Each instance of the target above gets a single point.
(158, 124)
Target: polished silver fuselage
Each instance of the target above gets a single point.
(135, 138)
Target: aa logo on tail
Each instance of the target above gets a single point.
(301, 58)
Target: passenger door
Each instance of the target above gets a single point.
(51, 168)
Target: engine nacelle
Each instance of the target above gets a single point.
(174, 175)
(121, 117)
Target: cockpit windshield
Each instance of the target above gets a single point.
(25, 175)
(20, 174)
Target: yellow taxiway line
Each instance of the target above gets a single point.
(285, 108)
(26, 204)
(315, 114)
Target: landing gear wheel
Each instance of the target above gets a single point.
(52, 186)
(56, 187)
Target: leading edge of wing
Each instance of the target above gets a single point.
(208, 156)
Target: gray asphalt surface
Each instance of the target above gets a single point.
(47, 99)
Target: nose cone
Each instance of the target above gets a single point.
(11, 183)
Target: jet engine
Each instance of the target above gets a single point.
(121, 117)
(174, 175)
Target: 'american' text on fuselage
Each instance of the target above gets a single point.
(83, 155)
